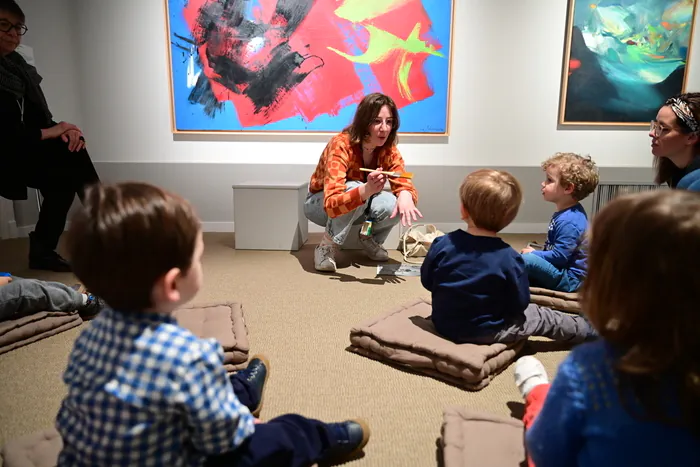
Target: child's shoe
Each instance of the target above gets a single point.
(256, 374)
(529, 372)
(350, 437)
(92, 307)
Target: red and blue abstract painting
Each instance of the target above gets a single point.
(304, 65)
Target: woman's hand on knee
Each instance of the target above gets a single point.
(57, 130)
(75, 140)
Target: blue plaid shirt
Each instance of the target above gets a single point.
(144, 391)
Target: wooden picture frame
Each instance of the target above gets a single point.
(621, 64)
(221, 83)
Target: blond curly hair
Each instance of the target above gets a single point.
(578, 171)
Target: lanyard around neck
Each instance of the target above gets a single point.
(20, 104)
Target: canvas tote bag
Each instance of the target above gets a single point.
(416, 241)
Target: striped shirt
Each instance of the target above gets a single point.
(340, 162)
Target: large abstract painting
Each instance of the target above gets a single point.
(304, 65)
(623, 59)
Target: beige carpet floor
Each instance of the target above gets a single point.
(301, 320)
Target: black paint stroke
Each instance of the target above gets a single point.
(224, 21)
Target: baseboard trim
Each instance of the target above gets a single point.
(515, 228)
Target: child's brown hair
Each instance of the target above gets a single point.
(126, 237)
(491, 197)
(578, 171)
(642, 294)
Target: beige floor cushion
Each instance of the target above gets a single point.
(562, 301)
(225, 323)
(472, 439)
(406, 337)
(19, 332)
(39, 449)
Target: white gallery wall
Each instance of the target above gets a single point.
(105, 65)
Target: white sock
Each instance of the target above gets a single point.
(85, 299)
(529, 372)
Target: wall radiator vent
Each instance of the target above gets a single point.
(606, 192)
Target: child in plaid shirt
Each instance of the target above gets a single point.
(141, 389)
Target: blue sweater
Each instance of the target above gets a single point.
(478, 285)
(688, 178)
(583, 422)
(563, 248)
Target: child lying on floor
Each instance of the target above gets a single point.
(480, 290)
(632, 397)
(22, 297)
(142, 390)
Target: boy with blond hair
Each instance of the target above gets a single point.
(561, 265)
(143, 390)
(480, 291)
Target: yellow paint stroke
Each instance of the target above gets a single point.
(381, 43)
(358, 11)
(402, 77)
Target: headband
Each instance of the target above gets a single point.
(682, 110)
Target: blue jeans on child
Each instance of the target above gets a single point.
(338, 228)
(289, 440)
(543, 274)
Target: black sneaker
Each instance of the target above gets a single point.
(350, 437)
(50, 261)
(256, 375)
(92, 308)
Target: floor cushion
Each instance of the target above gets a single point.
(225, 323)
(473, 439)
(406, 337)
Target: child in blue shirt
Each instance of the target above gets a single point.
(632, 397)
(479, 287)
(143, 390)
(561, 266)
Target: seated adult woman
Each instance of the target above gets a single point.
(340, 195)
(675, 142)
(36, 151)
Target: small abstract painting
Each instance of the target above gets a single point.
(623, 59)
(304, 65)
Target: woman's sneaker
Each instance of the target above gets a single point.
(324, 257)
(350, 437)
(374, 250)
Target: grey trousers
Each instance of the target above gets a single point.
(338, 228)
(545, 322)
(23, 297)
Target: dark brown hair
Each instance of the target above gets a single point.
(366, 112)
(10, 6)
(664, 168)
(642, 295)
(126, 237)
(578, 171)
(492, 198)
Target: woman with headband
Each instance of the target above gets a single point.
(675, 142)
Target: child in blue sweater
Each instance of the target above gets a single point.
(480, 291)
(570, 178)
(632, 397)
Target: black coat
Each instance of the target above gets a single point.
(17, 138)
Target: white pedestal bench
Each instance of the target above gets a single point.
(270, 215)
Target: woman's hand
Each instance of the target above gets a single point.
(57, 130)
(407, 209)
(4, 280)
(375, 183)
(72, 137)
